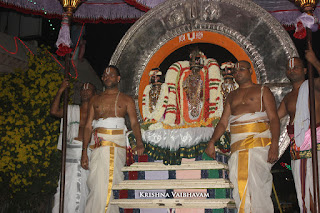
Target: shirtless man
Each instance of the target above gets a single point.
(106, 121)
(254, 126)
(295, 104)
(77, 116)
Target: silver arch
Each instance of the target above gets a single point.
(260, 35)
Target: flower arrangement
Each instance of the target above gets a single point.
(171, 80)
(160, 107)
(29, 160)
(176, 112)
(215, 95)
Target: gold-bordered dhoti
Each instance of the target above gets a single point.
(107, 159)
(249, 169)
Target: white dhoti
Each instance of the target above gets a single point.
(248, 166)
(107, 159)
(303, 179)
(300, 148)
(76, 190)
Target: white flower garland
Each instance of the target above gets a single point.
(172, 80)
(214, 73)
(160, 107)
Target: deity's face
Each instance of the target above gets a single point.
(196, 59)
(227, 73)
(295, 70)
(195, 69)
(154, 79)
(242, 72)
(110, 78)
(87, 91)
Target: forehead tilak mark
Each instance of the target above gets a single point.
(291, 63)
(86, 86)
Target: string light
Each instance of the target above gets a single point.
(45, 12)
(15, 52)
(74, 3)
(15, 41)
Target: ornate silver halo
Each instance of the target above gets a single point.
(266, 43)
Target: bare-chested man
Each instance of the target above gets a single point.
(251, 113)
(76, 195)
(296, 105)
(106, 121)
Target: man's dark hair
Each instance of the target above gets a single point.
(245, 62)
(114, 67)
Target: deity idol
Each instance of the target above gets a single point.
(179, 117)
(155, 98)
(194, 91)
(193, 87)
(228, 85)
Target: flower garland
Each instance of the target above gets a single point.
(201, 123)
(160, 107)
(171, 80)
(212, 97)
(215, 97)
(183, 102)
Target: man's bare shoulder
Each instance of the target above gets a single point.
(94, 97)
(233, 93)
(126, 98)
(287, 96)
(265, 88)
(290, 96)
(259, 86)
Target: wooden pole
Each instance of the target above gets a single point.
(313, 129)
(64, 134)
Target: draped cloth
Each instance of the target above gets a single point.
(76, 190)
(249, 170)
(302, 116)
(107, 159)
(300, 149)
(73, 121)
(301, 164)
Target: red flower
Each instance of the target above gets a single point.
(300, 32)
(63, 50)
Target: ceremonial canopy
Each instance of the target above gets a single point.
(111, 11)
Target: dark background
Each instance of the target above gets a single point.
(102, 40)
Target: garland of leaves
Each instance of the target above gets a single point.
(29, 160)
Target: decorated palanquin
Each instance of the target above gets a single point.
(188, 105)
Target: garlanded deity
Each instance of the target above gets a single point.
(228, 85)
(193, 85)
(180, 114)
(155, 97)
(194, 91)
(155, 89)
